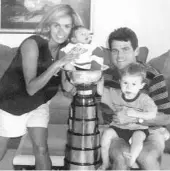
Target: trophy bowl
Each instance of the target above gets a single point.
(85, 76)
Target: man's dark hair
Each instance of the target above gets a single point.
(123, 34)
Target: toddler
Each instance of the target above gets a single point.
(129, 101)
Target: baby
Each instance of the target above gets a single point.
(130, 101)
(81, 42)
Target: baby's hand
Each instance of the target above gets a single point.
(77, 50)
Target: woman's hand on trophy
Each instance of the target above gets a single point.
(70, 93)
(68, 58)
(68, 88)
(100, 86)
(56, 72)
(73, 91)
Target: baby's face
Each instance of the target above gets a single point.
(131, 85)
(83, 35)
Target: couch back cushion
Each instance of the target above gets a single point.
(143, 54)
(162, 64)
(6, 56)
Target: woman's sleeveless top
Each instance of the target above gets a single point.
(14, 98)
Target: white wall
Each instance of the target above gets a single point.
(12, 40)
(148, 18)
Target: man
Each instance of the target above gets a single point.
(123, 44)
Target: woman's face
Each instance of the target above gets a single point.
(60, 29)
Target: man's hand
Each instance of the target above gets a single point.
(160, 120)
(107, 113)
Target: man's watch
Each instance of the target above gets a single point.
(140, 120)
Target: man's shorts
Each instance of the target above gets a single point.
(15, 126)
(126, 134)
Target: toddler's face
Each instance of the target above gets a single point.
(131, 85)
(83, 35)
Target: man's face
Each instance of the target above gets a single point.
(122, 53)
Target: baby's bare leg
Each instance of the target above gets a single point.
(107, 136)
(137, 138)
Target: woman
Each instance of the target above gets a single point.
(32, 80)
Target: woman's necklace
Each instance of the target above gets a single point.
(52, 58)
(54, 52)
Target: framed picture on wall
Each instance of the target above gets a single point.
(22, 16)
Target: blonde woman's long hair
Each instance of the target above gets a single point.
(54, 13)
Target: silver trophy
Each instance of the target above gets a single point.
(83, 136)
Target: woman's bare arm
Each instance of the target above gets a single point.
(30, 53)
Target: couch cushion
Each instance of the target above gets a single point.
(162, 64)
(59, 109)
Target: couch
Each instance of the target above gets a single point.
(59, 104)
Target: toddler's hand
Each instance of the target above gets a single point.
(131, 112)
(123, 118)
